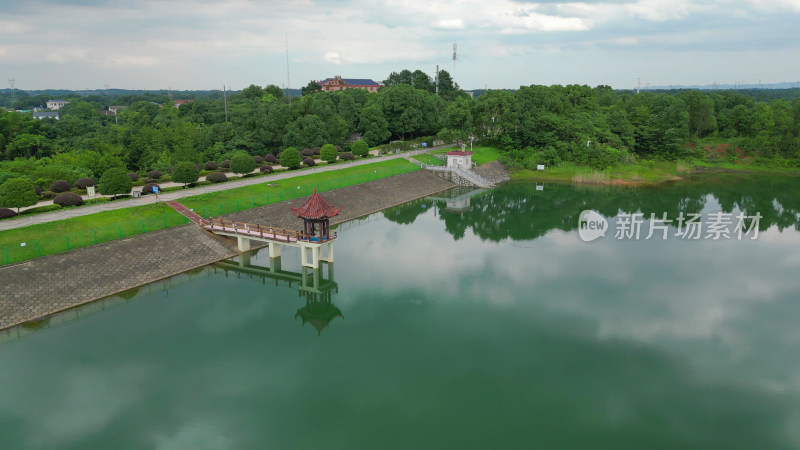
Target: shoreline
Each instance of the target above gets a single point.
(83, 276)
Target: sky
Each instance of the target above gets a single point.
(208, 44)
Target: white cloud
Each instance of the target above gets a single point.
(450, 24)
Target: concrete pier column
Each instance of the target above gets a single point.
(244, 259)
(315, 254)
(244, 243)
(274, 250)
(275, 264)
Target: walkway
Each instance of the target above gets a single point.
(37, 288)
(24, 221)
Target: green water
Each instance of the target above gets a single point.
(489, 327)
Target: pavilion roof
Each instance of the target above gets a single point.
(315, 208)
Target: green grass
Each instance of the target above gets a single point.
(64, 235)
(428, 159)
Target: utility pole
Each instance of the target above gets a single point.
(638, 84)
(13, 96)
(225, 101)
(437, 80)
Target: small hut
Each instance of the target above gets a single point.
(316, 212)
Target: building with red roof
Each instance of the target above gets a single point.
(338, 83)
(316, 211)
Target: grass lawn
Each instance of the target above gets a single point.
(64, 235)
(428, 159)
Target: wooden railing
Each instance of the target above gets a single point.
(263, 231)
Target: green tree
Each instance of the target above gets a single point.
(373, 126)
(310, 88)
(242, 163)
(360, 148)
(290, 158)
(17, 193)
(186, 172)
(328, 153)
(115, 182)
(307, 131)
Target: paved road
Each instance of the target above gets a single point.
(24, 221)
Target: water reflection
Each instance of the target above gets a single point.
(316, 285)
(520, 211)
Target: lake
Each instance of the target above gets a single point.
(469, 320)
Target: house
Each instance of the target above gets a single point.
(178, 103)
(39, 115)
(115, 109)
(338, 83)
(56, 104)
(462, 159)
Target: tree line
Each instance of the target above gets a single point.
(535, 124)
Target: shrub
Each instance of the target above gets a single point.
(216, 177)
(317, 150)
(68, 199)
(309, 162)
(328, 153)
(41, 209)
(225, 164)
(37, 189)
(133, 176)
(258, 160)
(48, 195)
(17, 193)
(211, 165)
(339, 149)
(290, 158)
(271, 159)
(347, 156)
(59, 186)
(92, 201)
(154, 174)
(148, 188)
(185, 173)
(242, 163)
(5, 213)
(307, 152)
(360, 148)
(84, 182)
(265, 169)
(115, 181)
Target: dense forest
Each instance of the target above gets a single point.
(597, 126)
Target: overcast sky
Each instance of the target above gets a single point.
(205, 44)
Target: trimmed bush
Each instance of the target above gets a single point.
(258, 160)
(148, 188)
(134, 176)
(307, 152)
(40, 209)
(309, 162)
(84, 182)
(68, 199)
(154, 174)
(328, 153)
(290, 158)
(347, 156)
(225, 164)
(59, 186)
(211, 165)
(48, 195)
(339, 149)
(5, 213)
(265, 169)
(242, 163)
(317, 150)
(37, 189)
(360, 148)
(92, 201)
(271, 159)
(216, 177)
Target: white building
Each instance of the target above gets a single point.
(462, 159)
(39, 115)
(56, 104)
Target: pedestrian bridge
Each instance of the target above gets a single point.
(311, 245)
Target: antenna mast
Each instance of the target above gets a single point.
(13, 97)
(455, 57)
(288, 79)
(225, 101)
(436, 84)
